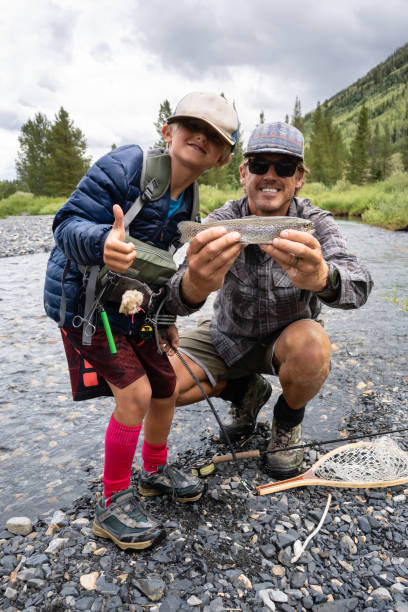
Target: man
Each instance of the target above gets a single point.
(266, 312)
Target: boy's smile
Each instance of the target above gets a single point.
(194, 144)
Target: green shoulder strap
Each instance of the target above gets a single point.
(154, 182)
(157, 168)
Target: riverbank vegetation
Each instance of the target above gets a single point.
(384, 203)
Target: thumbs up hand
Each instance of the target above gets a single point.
(118, 255)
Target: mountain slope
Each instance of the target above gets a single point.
(384, 90)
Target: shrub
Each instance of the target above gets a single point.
(22, 203)
(212, 197)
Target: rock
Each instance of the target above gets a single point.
(153, 588)
(10, 593)
(382, 593)
(347, 543)
(266, 599)
(278, 596)
(268, 550)
(194, 601)
(245, 581)
(88, 581)
(52, 529)
(36, 560)
(364, 524)
(56, 544)
(19, 525)
(59, 518)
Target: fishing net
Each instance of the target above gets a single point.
(379, 461)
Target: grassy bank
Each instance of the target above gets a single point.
(21, 203)
(384, 204)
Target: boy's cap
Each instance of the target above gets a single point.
(214, 110)
(278, 137)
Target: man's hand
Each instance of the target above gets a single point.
(210, 255)
(169, 340)
(300, 254)
(118, 254)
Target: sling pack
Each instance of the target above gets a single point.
(152, 266)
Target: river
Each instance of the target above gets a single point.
(50, 446)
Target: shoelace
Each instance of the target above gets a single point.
(171, 474)
(138, 510)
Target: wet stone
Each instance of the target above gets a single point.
(212, 542)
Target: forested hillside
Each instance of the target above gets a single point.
(384, 90)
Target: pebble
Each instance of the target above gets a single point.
(224, 552)
(20, 525)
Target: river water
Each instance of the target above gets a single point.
(50, 447)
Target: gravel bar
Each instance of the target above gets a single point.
(232, 550)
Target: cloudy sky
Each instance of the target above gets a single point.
(111, 63)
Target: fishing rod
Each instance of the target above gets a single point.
(233, 456)
(207, 466)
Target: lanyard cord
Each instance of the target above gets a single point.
(205, 395)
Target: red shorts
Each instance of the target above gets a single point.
(91, 366)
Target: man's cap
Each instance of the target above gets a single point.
(211, 108)
(278, 137)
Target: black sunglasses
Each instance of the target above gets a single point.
(197, 126)
(259, 165)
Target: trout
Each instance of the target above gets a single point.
(253, 229)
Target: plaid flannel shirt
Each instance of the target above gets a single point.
(258, 298)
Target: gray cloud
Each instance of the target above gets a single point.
(49, 82)
(323, 45)
(102, 52)
(9, 120)
(59, 31)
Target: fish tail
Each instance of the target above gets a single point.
(188, 230)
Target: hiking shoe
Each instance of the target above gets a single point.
(126, 523)
(284, 464)
(244, 410)
(168, 480)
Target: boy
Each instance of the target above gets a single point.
(89, 230)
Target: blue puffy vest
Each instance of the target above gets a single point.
(82, 224)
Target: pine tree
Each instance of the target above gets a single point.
(334, 149)
(385, 152)
(33, 152)
(236, 161)
(315, 157)
(164, 113)
(375, 171)
(297, 119)
(404, 155)
(7, 188)
(326, 153)
(66, 162)
(226, 177)
(358, 171)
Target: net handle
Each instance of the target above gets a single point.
(309, 477)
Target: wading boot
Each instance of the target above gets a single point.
(170, 481)
(247, 396)
(126, 522)
(285, 463)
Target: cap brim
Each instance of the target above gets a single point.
(283, 151)
(223, 135)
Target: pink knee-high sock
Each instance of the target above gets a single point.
(120, 446)
(153, 455)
